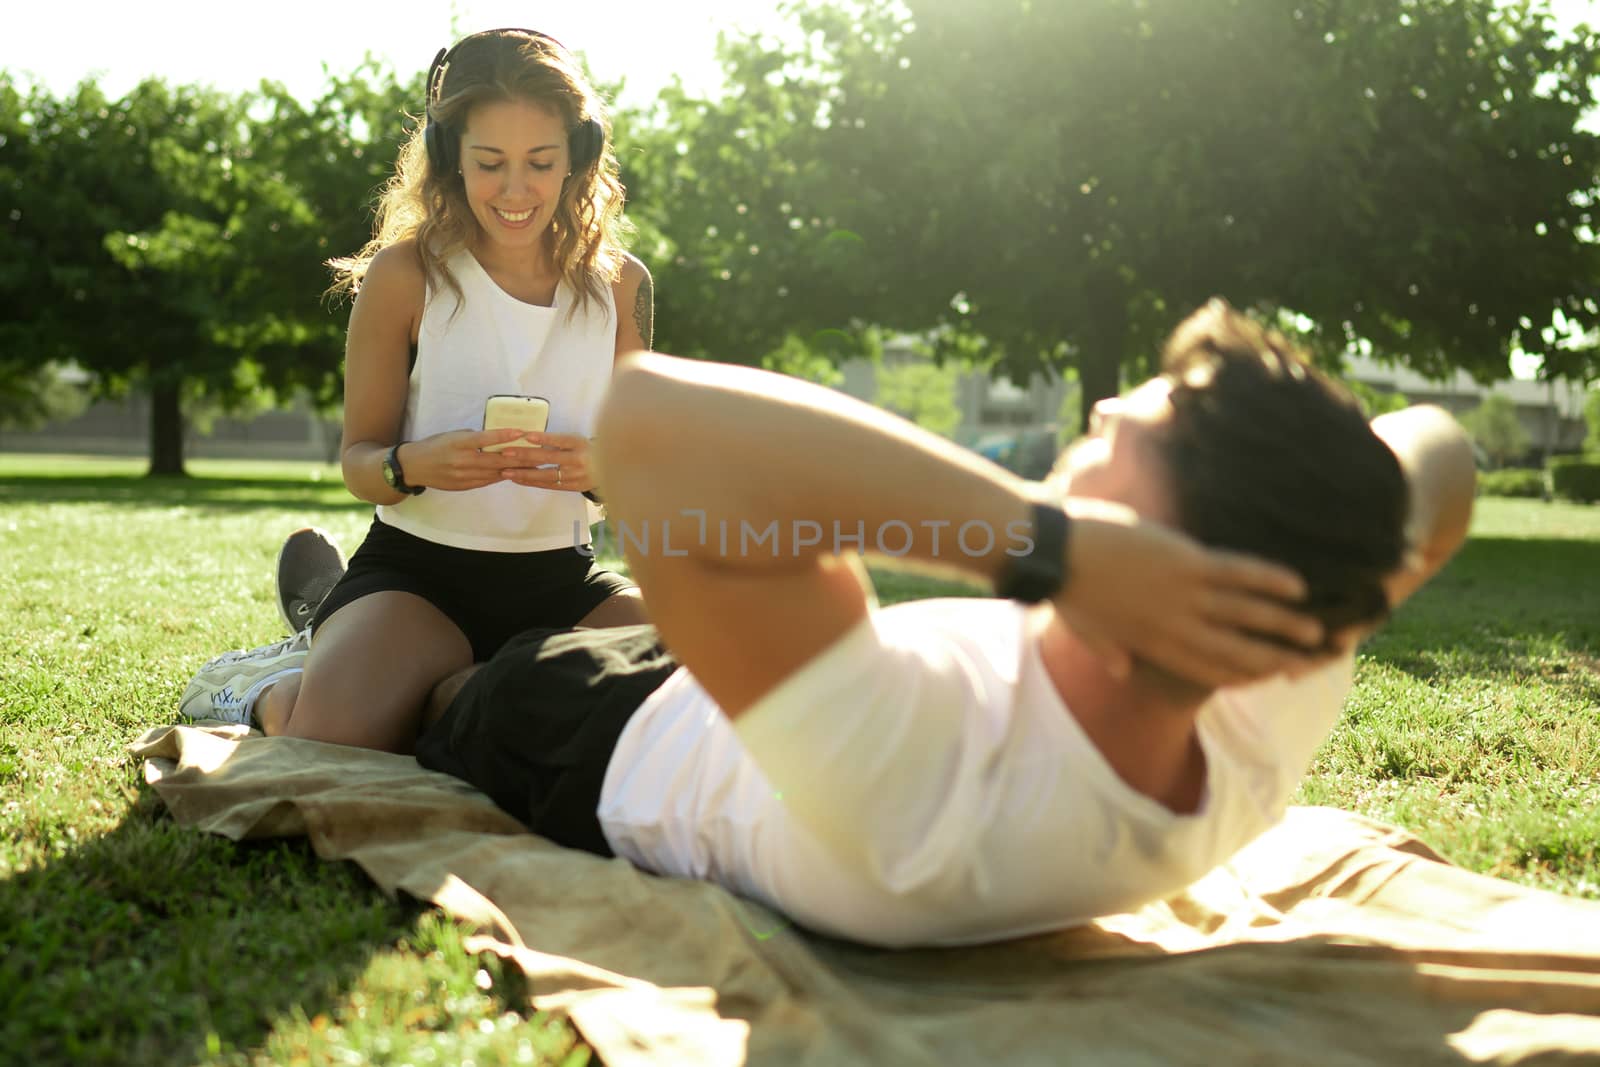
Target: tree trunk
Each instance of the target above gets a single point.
(166, 429)
(1552, 428)
(1105, 340)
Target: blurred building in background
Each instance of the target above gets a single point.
(1020, 427)
(1551, 412)
(122, 428)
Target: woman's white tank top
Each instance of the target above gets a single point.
(494, 343)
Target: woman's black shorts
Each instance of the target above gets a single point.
(490, 595)
(535, 727)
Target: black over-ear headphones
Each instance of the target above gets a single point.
(584, 141)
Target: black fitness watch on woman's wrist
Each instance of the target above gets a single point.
(395, 476)
(1041, 573)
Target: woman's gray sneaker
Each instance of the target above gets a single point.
(309, 566)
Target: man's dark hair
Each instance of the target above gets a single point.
(1271, 457)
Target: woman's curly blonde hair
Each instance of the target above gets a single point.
(588, 225)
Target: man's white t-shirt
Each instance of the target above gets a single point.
(922, 783)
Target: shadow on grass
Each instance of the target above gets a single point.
(1503, 605)
(223, 494)
(157, 944)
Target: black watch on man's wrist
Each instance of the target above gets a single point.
(1041, 573)
(395, 476)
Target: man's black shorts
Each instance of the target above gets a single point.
(535, 727)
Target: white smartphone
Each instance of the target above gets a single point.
(521, 412)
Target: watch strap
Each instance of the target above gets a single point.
(1040, 573)
(399, 483)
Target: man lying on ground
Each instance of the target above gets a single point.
(1134, 710)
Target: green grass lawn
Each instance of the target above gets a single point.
(1475, 722)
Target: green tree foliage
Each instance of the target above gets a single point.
(1067, 429)
(85, 168)
(729, 196)
(30, 388)
(922, 391)
(1034, 184)
(1066, 180)
(1375, 401)
(173, 240)
(32, 395)
(1495, 427)
(327, 160)
(799, 360)
(1575, 478)
(1519, 482)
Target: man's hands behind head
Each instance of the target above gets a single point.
(1136, 588)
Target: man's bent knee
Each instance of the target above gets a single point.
(442, 694)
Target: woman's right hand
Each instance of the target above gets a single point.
(454, 460)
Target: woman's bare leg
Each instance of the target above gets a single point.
(368, 675)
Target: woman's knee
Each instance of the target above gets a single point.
(371, 669)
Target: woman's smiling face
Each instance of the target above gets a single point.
(514, 160)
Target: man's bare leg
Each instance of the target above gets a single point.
(442, 694)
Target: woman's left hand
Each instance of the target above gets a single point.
(551, 461)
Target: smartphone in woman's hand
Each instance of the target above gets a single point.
(507, 411)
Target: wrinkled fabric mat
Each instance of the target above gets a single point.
(1333, 939)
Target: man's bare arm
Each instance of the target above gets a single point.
(699, 448)
(1436, 455)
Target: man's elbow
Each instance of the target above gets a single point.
(627, 427)
(1459, 463)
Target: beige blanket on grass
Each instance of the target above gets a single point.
(1332, 939)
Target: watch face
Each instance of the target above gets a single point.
(388, 472)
